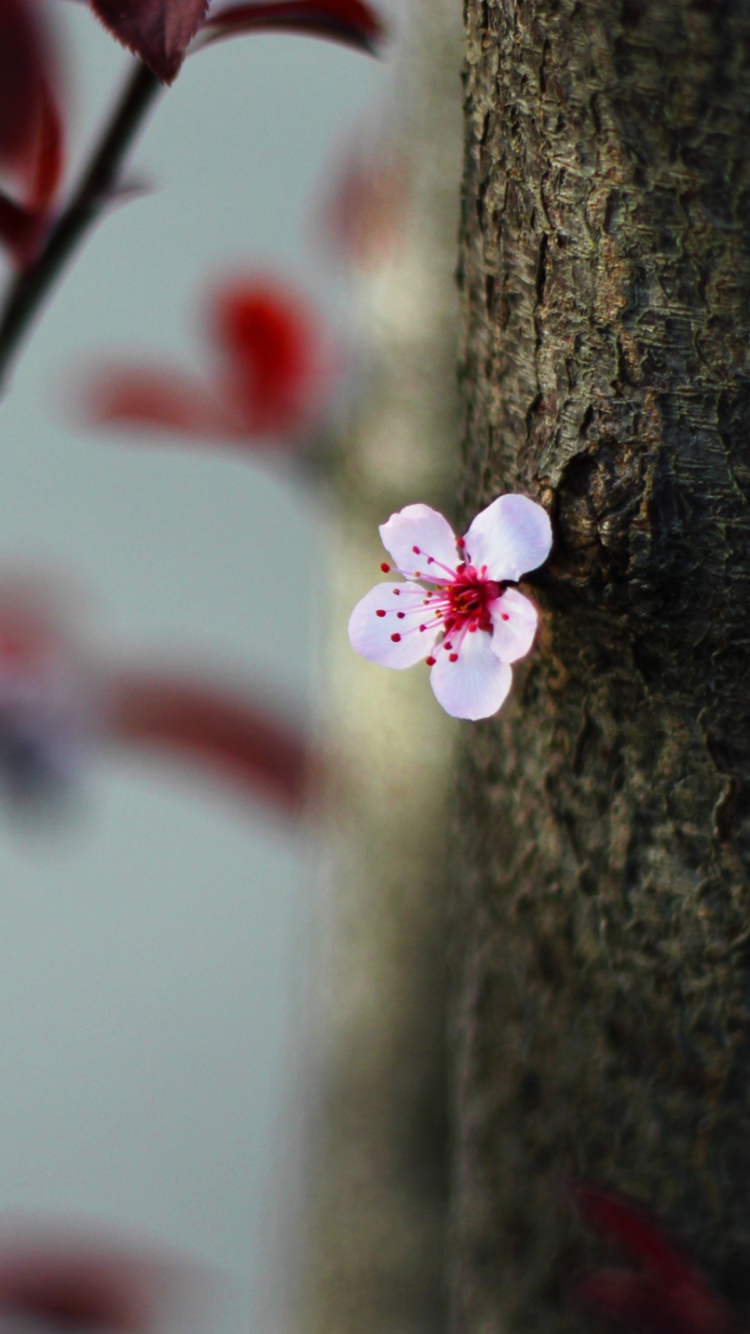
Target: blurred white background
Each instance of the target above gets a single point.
(152, 955)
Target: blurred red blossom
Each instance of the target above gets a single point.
(31, 128)
(665, 1293)
(274, 372)
(160, 31)
(61, 703)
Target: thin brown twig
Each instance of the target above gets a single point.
(29, 289)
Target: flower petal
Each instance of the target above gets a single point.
(476, 684)
(419, 526)
(511, 536)
(514, 621)
(404, 606)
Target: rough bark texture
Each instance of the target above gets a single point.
(603, 1007)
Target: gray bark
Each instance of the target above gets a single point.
(602, 1024)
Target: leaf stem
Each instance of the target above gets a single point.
(29, 289)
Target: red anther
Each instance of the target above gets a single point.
(461, 566)
(385, 567)
(416, 551)
(430, 560)
(422, 629)
(447, 644)
(460, 543)
(380, 613)
(504, 616)
(397, 592)
(396, 638)
(400, 615)
(453, 657)
(472, 627)
(430, 661)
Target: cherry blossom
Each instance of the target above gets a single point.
(462, 616)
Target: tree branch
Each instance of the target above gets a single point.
(28, 290)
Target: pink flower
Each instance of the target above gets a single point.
(462, 617)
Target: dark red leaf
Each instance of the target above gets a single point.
(352, 22)
(642, 1304)
(159, 31)
(666, 1294)
(629, 1226)
(31, 130)
(228, 733)
(23, 78)
(50, 152)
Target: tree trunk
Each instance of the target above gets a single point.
(603, 920)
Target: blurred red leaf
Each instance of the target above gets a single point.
(71, 1279)
(273, 371)
(80, 1289)
(59, 704)
(363, 216)
(158, 31)
(270, 341)
(352, 22)
(666, 1294)
(158, 399)
(225, 732)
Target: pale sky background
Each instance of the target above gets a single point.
(151, 956)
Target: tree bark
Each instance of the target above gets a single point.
(602, 1024)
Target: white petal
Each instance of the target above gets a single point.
(513, 535)
(476, 684)
(421, 527)
(370, 634)
(514, 621)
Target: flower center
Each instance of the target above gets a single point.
(469, 598)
